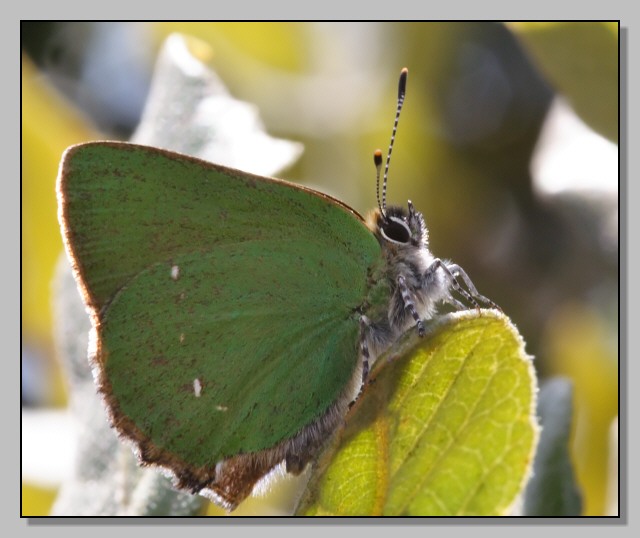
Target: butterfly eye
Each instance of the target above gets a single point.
(396, 231)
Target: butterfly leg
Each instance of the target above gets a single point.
(459, 271)
(409, 304)
(365, 326)
(452, 271)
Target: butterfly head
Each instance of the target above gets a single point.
(398, 226)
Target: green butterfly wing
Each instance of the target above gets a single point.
(224, 304)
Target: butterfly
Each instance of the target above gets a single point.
(236, 317)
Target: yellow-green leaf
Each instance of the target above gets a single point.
(446, 427)
(580, 59)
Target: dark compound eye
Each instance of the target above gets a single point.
(396, 230)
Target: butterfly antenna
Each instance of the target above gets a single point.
(402, 89)
(377, 160)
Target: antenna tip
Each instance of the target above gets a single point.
(402, 85)
(377, 158)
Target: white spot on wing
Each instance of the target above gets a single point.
(175, 272)
(197, 387)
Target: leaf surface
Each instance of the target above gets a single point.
(447, 428)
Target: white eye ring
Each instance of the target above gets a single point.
(400, 222)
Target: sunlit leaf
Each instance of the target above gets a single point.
(447, 428)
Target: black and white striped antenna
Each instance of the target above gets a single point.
(377, 155)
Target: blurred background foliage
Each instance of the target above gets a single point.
(479, 128)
